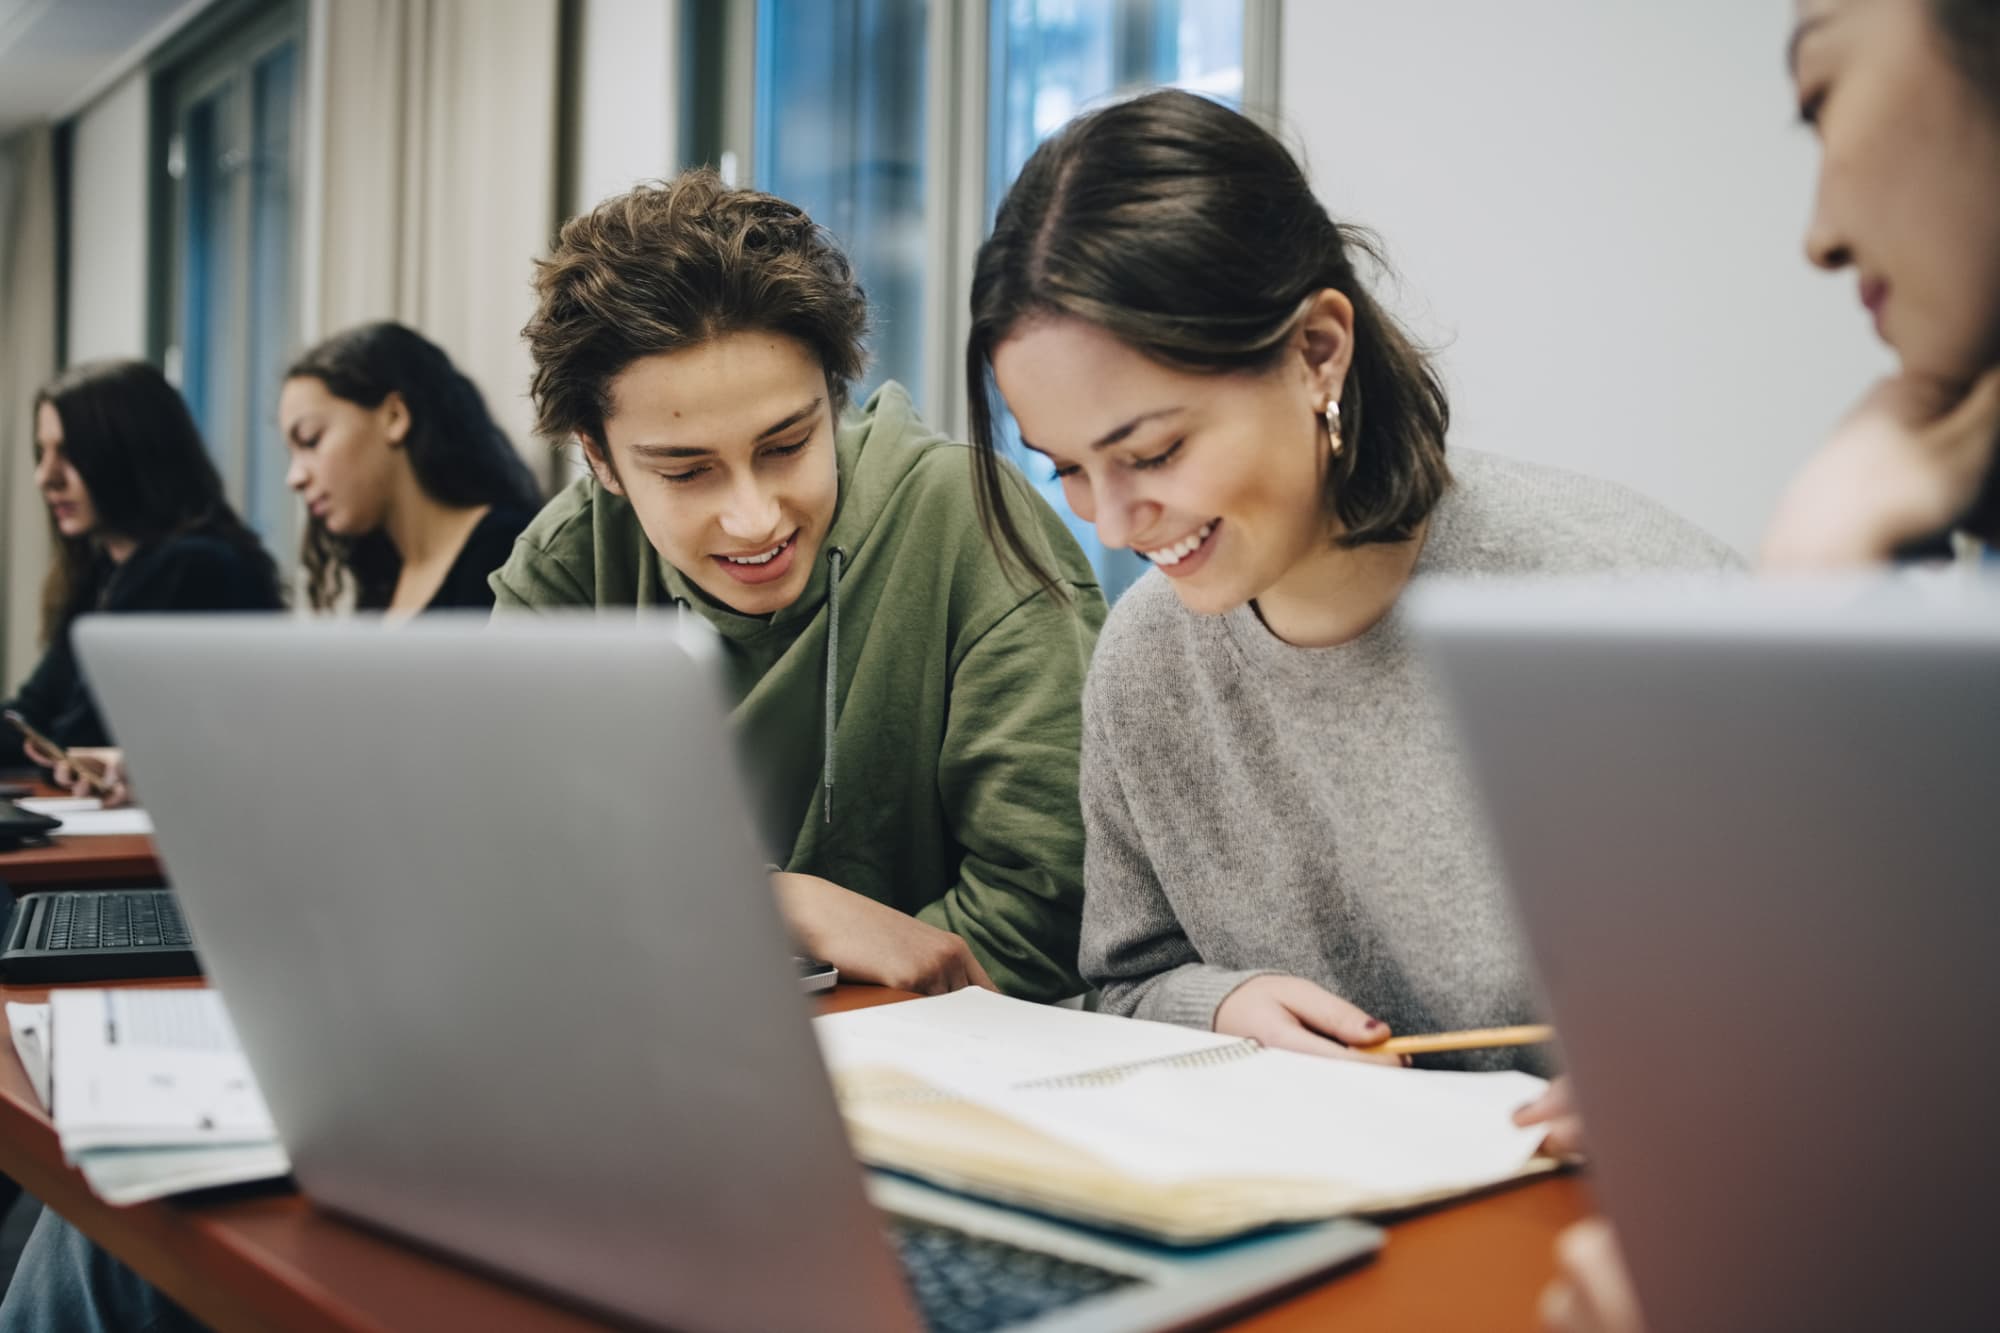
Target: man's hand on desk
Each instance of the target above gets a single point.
(871, 942)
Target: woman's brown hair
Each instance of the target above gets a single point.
(1189, 232)
(458, 452)
(1971, 32)
(133, 442)
(673, 264)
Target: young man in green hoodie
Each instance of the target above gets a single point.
(909, 713)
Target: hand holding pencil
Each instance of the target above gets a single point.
(1293, 1014)
(1471, 1039)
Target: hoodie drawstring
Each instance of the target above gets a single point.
(834, 559)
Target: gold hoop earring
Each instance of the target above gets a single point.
(1331, 413)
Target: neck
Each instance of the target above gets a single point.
(423, 529)
(117, 549)
(1338, 593)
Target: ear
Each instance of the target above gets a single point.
(395, 415)
(595, 454)
(1325, 344)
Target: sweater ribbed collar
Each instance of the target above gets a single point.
(1382, 645)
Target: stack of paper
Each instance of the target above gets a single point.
(149, 1090)
(85, 816)
(1175, 1133)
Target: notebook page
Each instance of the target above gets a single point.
(29, 1024)
(1379, 1129)
(974, 1040)
(150, 1068)
(85, 816)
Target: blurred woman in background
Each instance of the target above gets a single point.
(140, 523)
(1904, 99)
(413, 494)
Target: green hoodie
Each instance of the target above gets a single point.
(956, 709)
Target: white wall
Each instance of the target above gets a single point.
(107, 226)
(627, 91)
(1599, 208)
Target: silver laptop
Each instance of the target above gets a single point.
(486, 908)
(1754, 831)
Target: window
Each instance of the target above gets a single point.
(227, 325)
(841, 132)
(901, 123)
(1054, 58)
(898, 124)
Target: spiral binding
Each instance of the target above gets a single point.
(1090, 1078)
(1110, 1074)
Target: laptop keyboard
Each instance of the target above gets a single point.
(107, 920)
(969, 1284)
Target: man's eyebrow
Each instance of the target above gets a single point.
(665, 451)
(780, 427)
(658, 451)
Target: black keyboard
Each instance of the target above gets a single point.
(970, 1284)
(97, 935)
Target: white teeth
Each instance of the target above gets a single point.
(1182, 549)
(763, 559)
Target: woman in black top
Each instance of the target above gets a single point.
(140, 524)
(413, 494)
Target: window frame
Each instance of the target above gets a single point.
(220, 51)
(720, 68)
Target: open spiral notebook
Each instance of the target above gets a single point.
(1169, 1132)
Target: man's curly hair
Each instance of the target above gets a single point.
(671, 264)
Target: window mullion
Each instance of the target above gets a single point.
(1262, 26)
(234, 422)
(955, 188)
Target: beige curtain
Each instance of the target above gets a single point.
(438, 182)
(27, 360)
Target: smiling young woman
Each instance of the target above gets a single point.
(1281, 841)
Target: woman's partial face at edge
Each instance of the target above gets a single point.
(1215, 478)
(725, 451)
(1909, 179)
(58, 480)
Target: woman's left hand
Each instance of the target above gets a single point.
(1915, 458)
(1556, 1109)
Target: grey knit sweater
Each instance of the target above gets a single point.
(1250, 806)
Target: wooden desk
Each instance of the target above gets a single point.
(121, 861)
(116, 861)
(270, 1260)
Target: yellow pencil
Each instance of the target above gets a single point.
(1431, 1043)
